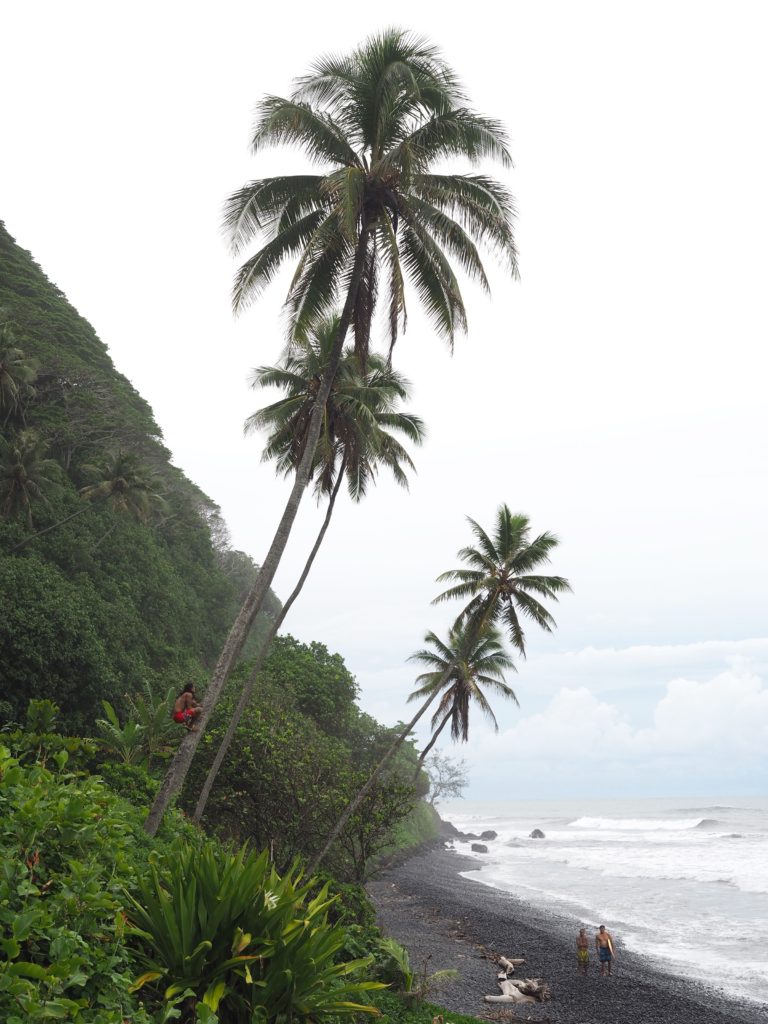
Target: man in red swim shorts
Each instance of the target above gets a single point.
(185, 707)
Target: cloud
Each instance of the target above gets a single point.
(702, 733)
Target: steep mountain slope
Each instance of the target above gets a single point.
(114, 567)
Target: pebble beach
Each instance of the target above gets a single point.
(427, 906)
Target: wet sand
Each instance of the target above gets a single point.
(430, 909)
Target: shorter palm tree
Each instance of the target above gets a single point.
(461, 667)
(499, 578)
(498, 583)
(26, 475)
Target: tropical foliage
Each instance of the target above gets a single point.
(114, 570)
(68, 848)
(224, 932)
(300, 751)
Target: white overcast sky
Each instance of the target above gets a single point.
(616, 394)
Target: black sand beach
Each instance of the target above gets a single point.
(431, 910)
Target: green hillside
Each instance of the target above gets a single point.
(114, 567)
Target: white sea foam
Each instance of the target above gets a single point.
(637, 824)
(647, 868)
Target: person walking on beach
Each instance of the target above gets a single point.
(582, 951)
(604, 947)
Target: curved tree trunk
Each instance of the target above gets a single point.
(55, 526)
(355, 803)
(431, 744)
(179, 767)
(261, 656)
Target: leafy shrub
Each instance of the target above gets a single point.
(231, 940)
(69, 848)
(131, 781)
(65, 850)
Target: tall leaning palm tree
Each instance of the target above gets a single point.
(373, 124)
(508, 558)
(470, 661)
(360, 424)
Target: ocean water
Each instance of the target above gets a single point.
(684, 882)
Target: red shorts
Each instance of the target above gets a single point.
(182, 717)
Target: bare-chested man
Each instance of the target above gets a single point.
(582, 950)
(604, 947)
(185, 707)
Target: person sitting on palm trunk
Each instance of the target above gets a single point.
(185, 707)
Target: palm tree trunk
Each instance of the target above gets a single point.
(261, 656)
(431, 744)
(179, 767)
(48, 529)
(357, 800)
(103, 537)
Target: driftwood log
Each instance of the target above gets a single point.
(526, 990)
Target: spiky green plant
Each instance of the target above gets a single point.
(414, 985)
(224, 931)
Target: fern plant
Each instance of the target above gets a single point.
(127, 741)
(152, 714)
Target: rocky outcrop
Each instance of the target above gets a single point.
(479, 848)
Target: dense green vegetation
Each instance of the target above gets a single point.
(114, 568)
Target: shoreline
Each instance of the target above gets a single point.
(426, 905)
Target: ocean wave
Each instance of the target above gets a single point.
(707, 824)
(640, 824)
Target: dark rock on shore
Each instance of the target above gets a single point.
(450, 921)
(479, 848)
(537, 834)
(489, 834)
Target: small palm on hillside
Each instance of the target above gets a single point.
(18, 371)
(500, 581)
(461, 668)
(126, 485)
(26, 475)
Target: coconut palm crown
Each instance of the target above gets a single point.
(376, 124)
(500, 580)
(469, 661)
(359, 424)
